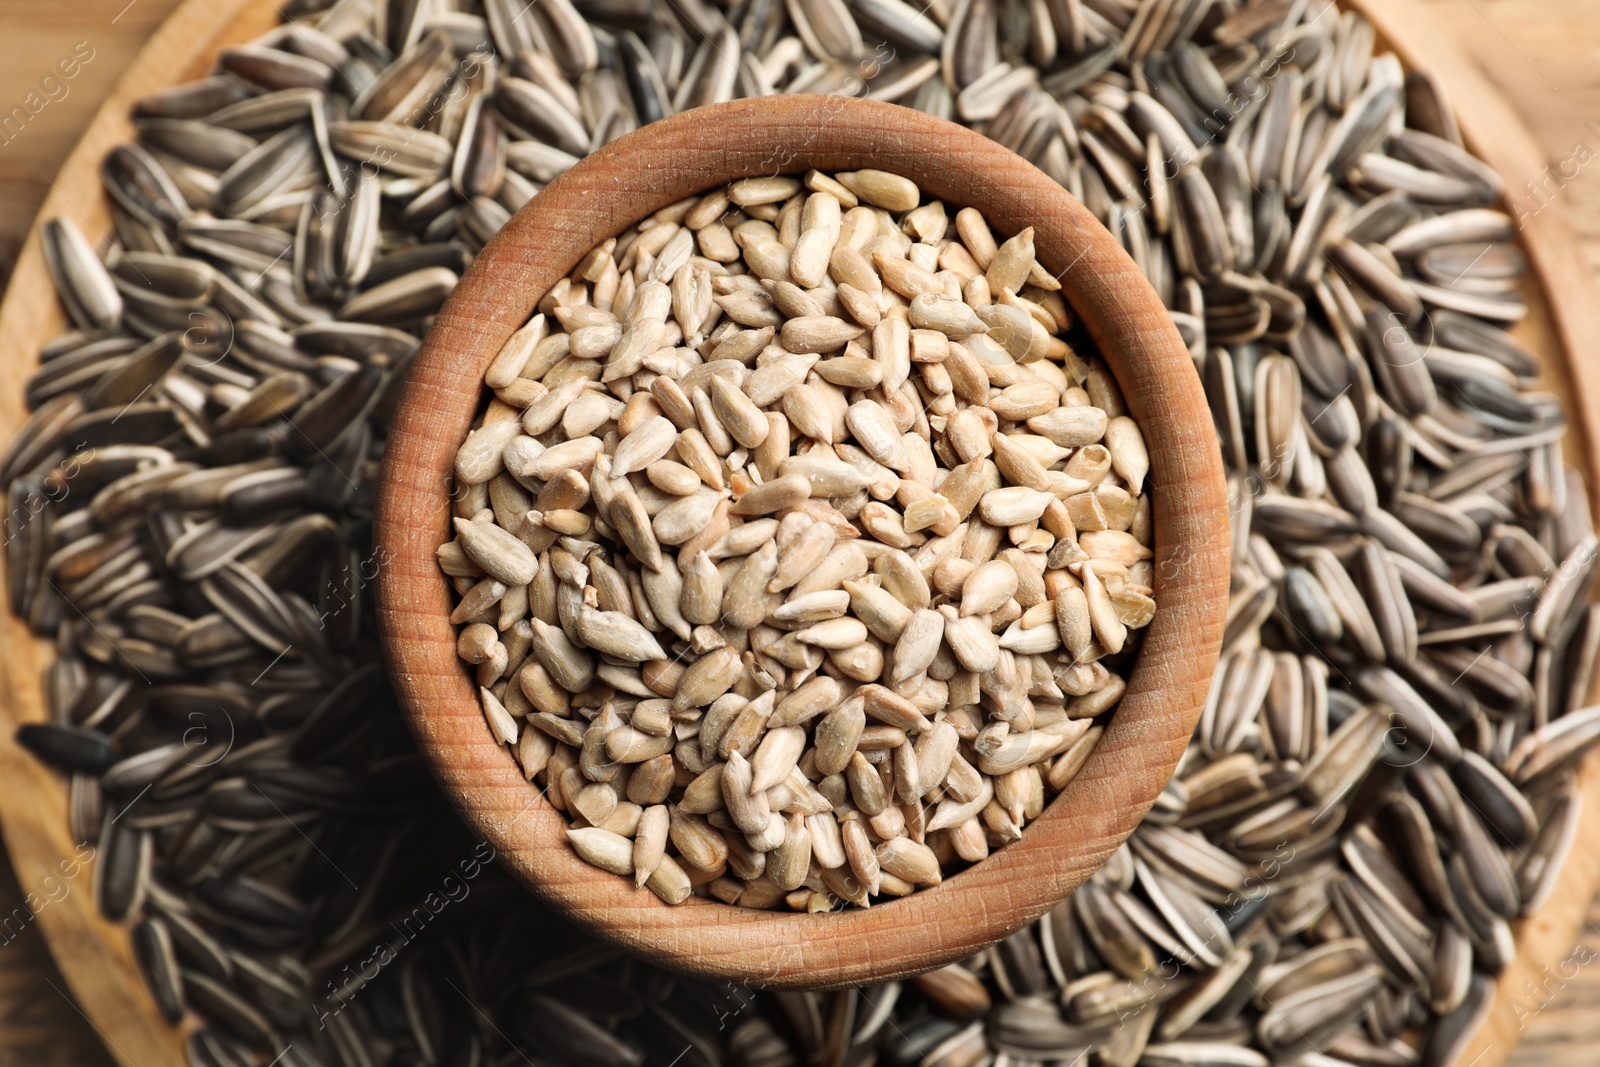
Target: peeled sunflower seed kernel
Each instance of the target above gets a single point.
(763, 545)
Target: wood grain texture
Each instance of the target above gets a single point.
(34, 37)
(93, 954)
(40, 1026)
(1564, 318)
(1539, 54)
(601, 196)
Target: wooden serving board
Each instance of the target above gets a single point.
(94, 955)
(1562, 325)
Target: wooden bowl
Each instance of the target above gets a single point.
(598, 198)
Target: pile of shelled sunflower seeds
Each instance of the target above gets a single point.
(716, 546)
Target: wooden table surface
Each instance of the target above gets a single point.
(1543, 54)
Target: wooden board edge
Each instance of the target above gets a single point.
(94, 955)
(1493, 131)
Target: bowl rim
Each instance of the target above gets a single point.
(599, 197)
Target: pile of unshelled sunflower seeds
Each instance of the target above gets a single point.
(782, 458)
(1383, 779)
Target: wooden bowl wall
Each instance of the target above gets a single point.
(603, 195)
